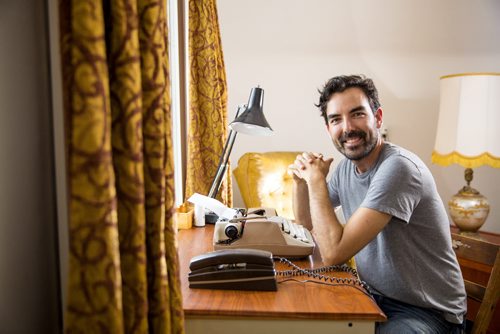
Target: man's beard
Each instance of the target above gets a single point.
(356, 154)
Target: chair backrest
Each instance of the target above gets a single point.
(264, 182)
(484, 254)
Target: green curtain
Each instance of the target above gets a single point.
(207, 130)
(123, 270)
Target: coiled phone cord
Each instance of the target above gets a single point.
(319, 273)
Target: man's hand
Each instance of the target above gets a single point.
(300, 188)
(309, 166)
(295, 169)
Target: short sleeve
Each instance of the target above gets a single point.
(396, 188)
(333, 190)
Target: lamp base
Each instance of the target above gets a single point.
(210, 217)
(468, 210)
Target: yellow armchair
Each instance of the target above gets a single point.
(264, 182)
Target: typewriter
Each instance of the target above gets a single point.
(261, 228)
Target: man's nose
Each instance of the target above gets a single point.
(347, 125)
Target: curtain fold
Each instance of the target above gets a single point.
(207, 130)
(123, 271)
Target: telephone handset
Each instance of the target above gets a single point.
(233, 269)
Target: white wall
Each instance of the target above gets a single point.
(291, 47)
(29, 289)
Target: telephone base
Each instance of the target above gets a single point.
(240, 269)
(267, 284)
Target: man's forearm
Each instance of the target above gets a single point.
(326, 227)
(301, 209)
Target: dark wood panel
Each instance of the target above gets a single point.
(478, 272)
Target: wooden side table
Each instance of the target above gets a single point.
(474, 271)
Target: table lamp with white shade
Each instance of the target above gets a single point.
(468, 134)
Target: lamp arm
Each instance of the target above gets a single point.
(224, 158)
(221, 169)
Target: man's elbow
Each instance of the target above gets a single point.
(334, 258)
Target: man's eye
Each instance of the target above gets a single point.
(334, 120)
(358, 114)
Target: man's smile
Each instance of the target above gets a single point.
(352, 139)
(353, 142)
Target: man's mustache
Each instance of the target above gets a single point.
(352, 134)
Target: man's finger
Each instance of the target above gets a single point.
(318, 155)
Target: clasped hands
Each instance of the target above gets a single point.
(310, 167)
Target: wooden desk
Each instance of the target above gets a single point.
(295, 308)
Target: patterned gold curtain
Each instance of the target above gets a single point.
(208, 98)
(123, 270)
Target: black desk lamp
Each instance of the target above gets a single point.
(250, 122)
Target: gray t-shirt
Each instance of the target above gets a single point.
(411, 259)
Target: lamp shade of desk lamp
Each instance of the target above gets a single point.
(250, 122)
(468, 134)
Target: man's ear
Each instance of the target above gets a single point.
(379, 116)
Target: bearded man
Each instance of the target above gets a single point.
(397, 227)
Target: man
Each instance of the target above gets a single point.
(397, 227)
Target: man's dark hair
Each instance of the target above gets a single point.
(343, 82)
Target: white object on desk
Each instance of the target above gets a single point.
(213, 205)
(199, 215)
